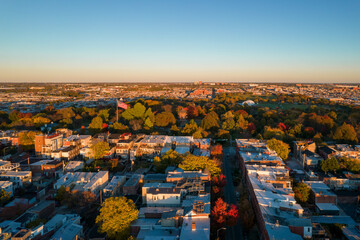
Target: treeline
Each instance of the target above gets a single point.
(219, 118)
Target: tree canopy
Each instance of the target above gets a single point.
(100, 149)
(346, 132)
(116, 215)
(282, 149)
(302, 192)
(330, 165)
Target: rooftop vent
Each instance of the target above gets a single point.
(199, 206)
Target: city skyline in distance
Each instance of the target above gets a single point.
(209, 41)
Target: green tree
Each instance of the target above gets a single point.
(116, 215)
(4, 196)
(345, 132)
(282, 149)
(170, 158)
(61, 194)
(164, 119)
(210, 121)
(330, 165)
(104, 114)
(14, 116)
(100, 149)
(302, 192)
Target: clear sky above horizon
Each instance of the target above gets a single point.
(173, 40)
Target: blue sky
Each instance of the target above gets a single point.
(187, 40)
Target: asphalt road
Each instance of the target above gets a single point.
(235, 232)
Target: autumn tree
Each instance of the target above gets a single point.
(302, 192)
(282, 149)
(219, 213)
(164, 119)
(119, 127)
(210, 121)
(191, 162)
(100, 149)
(27, 140)
(219, 181)
(241, 124)
(116, 215)
(224, 214)
(96, 124)
(345, 132)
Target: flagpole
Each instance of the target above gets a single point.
(117, 111)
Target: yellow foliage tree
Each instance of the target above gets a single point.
(116, 215)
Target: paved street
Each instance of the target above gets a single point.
(235, 232)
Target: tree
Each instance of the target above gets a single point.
(190, 128)
(228, 124)
(223, 214)
(219, 212)
(170, 158)
(116, 215)
(192, 112)
(137, 112)
(219, 181)
(150, 115)
(302, 192)
(330, 165)
(119, 127)
(104, 114)
(242, 124)
(282, 149)
(232, 215)
(27, 140)
(148, 123)
(96, 124)
(346, 132)
(210, 121)
(349, 164)
(194, 163)
(100, 149)
(4, 197)
(164, 119)
(39, 121)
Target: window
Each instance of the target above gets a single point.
(163, 196)
(177, 197)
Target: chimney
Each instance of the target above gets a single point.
(193, 226)
(277, 223)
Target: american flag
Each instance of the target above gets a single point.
(121, 104)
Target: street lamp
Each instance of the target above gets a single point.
(217, 232)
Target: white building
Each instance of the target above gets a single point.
(84, 181)
(18, 178)
(163, 197)
(7, 186)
